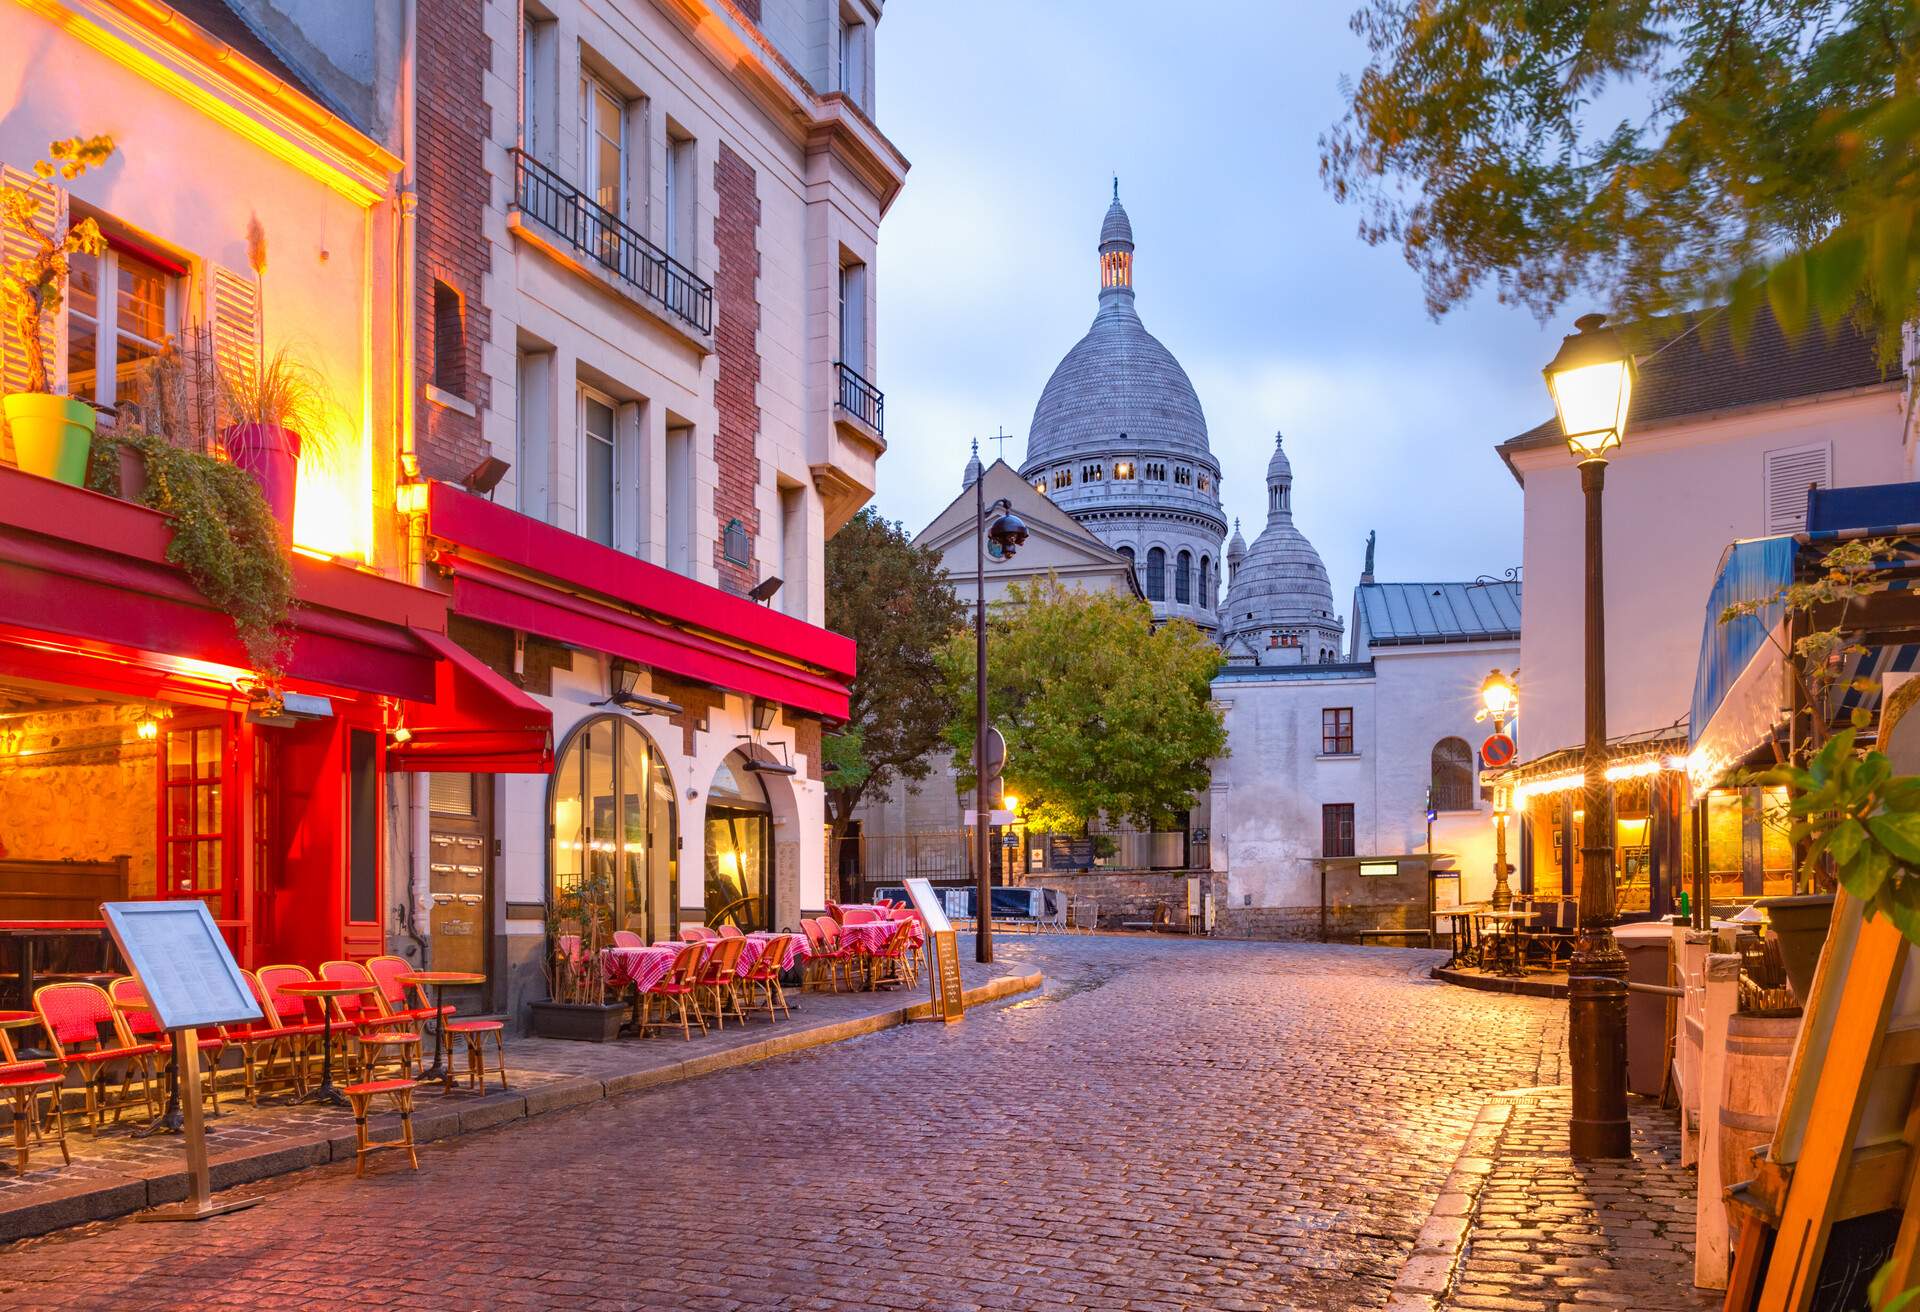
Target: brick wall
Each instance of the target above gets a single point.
(451, 123)
(806, 742)
(736, 399)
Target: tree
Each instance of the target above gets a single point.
(892, 598)
(1105, 716)
(1770, 153)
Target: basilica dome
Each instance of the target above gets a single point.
(1279, 607)
(1119, 442)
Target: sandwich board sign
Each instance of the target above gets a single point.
(191, 979)
(949, 995)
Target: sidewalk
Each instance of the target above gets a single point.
(114, 1173)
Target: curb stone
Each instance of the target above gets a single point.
(1428, 1274)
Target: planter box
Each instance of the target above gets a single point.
(578, 1020)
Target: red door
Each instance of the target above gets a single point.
(195, 803)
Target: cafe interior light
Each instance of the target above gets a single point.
(1591, 379)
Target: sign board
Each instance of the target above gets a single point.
(189, 974)
(1497, 751)
(1066, 852)
(949, 994)
(1377, 869)
(996, 753)
(972, 818)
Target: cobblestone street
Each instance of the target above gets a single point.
(1173, 1124)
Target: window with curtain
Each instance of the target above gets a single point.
(1453, 788)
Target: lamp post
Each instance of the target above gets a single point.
(1005, 533)
(1592, 384)
(1496, 699)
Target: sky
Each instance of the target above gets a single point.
(1016, 114)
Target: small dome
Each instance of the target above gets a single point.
(974, 469)
(1279, 466)
(1237, 546)
(1280, 592)
(1116, 229)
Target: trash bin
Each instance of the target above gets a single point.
(1646, 947)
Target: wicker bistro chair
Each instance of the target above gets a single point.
(72, 1015)
(681, 985)
(377, 1033)
(22, 1083)
(898, 957)
(692, 933)
(626, 938)
(720, 980)
(144, 1027)
(857, 916)
(473, 1032)
(259, 1041)
(361, 1096)
(413, 1009)
(731, 931)
(764, 978)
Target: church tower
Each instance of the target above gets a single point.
(1279, 610)
(1119, 441)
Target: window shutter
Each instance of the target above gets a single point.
(233, 311)
(13, 246)
(1789, 472)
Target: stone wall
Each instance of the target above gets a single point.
(1123, 896)
(83, 791)
(1344, 922)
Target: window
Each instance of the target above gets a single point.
(1040, 485)
(120, 308)
(1452, 776)
(1336, 731)
(1123, 470)
(1092, 473)
(851, 67)
(193, 822)
(1206, 580)
(1206, 483)
(597, 467)
(534, 407)
(449, 340)
(1128, 553)
(679, 234)
(1336, 829)
(1156, 471)
(603, 114)
(738, 890)
(793, 550)
(365, 823)
(1156, 575)
(680, 498)
(1183, 579)
(1277, 497)
(853, 316)
(536, 82)
(1063, 477)
(611, 813)
(1182, 477)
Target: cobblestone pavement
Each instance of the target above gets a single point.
(1173, 1125)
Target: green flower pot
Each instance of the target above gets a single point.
(52, 435)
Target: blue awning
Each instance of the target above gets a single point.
(1877, 510)
(1751, 571)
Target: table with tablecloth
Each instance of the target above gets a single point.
(645, 967)
(873, 936)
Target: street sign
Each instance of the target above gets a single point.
(996, 753)
(1497, 750)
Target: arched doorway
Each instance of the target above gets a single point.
(739, 848)
(614, 825)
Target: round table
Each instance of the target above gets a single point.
(325, 990)
(438, 980)
(19, 1020)
(1512, 921)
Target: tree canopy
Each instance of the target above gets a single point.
(893, 600)
(1104, 715)
(1748, 150)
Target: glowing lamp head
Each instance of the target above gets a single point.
(148, 728)
(1592, 384)
(1497, 695)
(1010, 802)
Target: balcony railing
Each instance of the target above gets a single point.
(862, 400)
(573, 216)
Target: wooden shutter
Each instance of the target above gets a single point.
(233, 312)
(49, 214)
(1790, 471)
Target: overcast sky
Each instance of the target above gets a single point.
(1016, 114)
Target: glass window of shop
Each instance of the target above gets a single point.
(739, 843)
(615, 839)
(1749, 848)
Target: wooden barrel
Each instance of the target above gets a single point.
(1758, 1049)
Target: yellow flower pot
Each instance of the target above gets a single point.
(52, 435)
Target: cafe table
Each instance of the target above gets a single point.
(1512, 919)
(438, 981)
(325, 991)
(19, 1020)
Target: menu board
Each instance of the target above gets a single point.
(182, 962)
(949, 993)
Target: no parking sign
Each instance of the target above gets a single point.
(1497, 751)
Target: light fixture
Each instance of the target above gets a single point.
(1592, 384)
(400, 736)
(1009, 802)
(764, 714)
(1497, 695)
(149, 728)
(763, 591)
(484, 477)
(1007, 532)
(623, 679)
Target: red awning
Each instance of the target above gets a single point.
(476, 720)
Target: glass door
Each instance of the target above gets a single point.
(193, 814)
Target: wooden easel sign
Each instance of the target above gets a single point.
(948, 993)
(191, 979)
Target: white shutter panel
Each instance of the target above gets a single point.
(233, 312)
(49, 214)
(1790, 471)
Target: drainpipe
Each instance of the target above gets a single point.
(405, 257)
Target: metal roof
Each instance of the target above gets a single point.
(1413, 614)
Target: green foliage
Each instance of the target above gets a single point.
(1105, 716)
(224, 537)
(282, 391)
(893, 600)
(1766, 154)
(32, 286)
(1852, 810)
(579, 927)
(1884, 1298)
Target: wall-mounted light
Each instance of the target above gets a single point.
(764, 714)
(623, 678)
(400, 736)
(148, 728)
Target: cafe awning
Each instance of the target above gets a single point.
(1738, 691)
(476, 721)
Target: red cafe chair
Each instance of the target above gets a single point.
(680, 985)
(765, 975)
(22, 1083)
(731, 931)
(72, 1015)
(720, 979)
(380, 1034)
(626, 938)
(259, 1040)
(857, 916)
(144, 1027)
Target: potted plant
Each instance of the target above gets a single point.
(579, 925)
(51, 433)
(276, 414)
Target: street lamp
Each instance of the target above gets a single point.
(1592, 384)
(1005, 532)
(1497, 699)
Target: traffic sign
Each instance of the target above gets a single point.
(1497, 750)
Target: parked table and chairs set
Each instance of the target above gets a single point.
(1535, 933)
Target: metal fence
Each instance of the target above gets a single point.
(862, 399)
(869, 861)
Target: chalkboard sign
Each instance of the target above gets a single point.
(176, 951)
(1070, 853)
(949, 994)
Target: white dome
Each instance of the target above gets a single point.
(1280, 599)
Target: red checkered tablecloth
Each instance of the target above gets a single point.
(874, 935)
(640, 967)
(797, 950)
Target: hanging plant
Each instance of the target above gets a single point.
(224, 537)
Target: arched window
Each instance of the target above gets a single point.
(1206, 581)
(739, 847)
(1183, 579)
(1156, 575)
(614, 854)
(1452, 775)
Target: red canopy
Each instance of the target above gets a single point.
(476, 720)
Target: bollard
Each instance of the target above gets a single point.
(1597, 1050)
